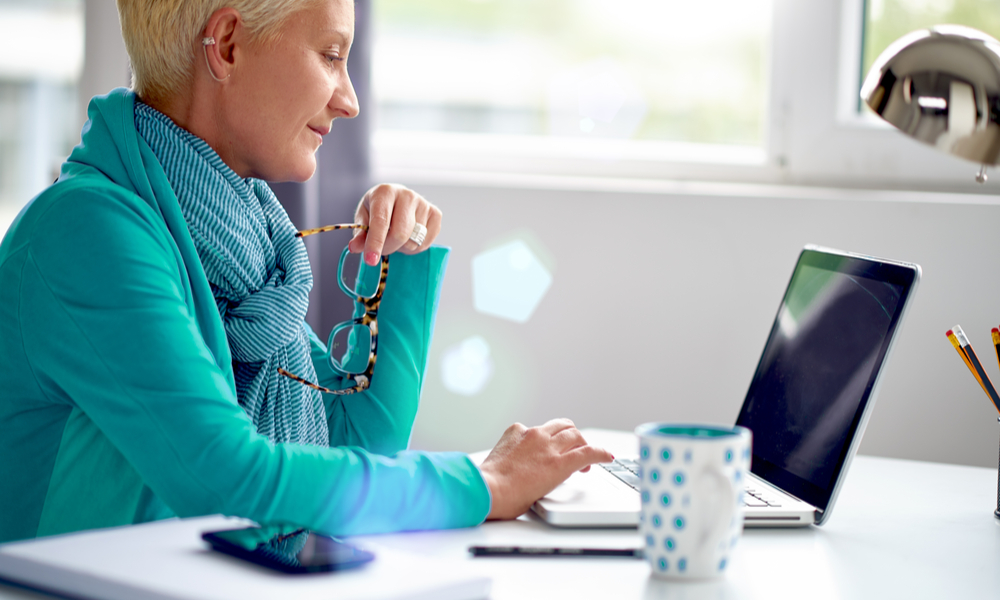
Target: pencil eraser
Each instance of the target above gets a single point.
(949, 333)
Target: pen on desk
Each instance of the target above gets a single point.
(977, 366)
(537, 551)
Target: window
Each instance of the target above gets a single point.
(575, 74)
(751, 92)
(38, 102)
(630, 69)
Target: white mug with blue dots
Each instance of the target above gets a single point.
(692, 496)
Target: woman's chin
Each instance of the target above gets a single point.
(304, 176)
(298, 173)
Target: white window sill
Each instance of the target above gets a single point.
(660, 167)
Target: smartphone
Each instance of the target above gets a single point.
(298, 551)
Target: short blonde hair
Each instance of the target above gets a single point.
(161, 36)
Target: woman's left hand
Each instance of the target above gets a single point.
(391, 213)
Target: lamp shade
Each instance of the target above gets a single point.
(942, 87)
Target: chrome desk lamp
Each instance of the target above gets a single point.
(942, 86)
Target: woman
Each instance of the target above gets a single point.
(148, 297)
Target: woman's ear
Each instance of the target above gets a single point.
(221, 35)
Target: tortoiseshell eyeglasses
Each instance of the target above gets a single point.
(358, 329)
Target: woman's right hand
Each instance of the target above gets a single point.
(390, 212)
(528, 463)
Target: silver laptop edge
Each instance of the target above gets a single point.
(823, 515)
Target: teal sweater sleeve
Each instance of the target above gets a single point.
(381, 418)
(106, 325)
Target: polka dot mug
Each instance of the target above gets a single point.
(692, 496)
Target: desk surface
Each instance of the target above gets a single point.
(901, 529)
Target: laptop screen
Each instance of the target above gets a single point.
(808, 397)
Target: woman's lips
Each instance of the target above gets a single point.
(320, 132)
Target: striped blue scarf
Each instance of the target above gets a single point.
(259, 273)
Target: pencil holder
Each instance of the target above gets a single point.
(996, 513)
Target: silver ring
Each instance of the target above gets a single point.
(418, 235)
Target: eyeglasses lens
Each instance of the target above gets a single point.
(351, 347)
(367, 284)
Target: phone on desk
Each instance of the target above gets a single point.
(294, 551)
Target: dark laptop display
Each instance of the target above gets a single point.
(820, 368)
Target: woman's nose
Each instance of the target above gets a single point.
(344, 101)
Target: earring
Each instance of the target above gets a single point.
(205, 43)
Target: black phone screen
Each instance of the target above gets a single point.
(298, 551)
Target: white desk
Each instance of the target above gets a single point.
(889, 537)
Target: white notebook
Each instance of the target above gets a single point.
(167, 560)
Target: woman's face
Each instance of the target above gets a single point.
(285, 94)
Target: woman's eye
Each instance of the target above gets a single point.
(334, 57)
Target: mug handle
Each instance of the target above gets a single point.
(725, 492)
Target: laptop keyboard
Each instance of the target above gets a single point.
(628, 472)
(758, 498)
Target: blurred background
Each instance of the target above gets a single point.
(626, 187)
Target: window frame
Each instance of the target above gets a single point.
(814, 134)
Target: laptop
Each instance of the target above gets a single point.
(808, 403)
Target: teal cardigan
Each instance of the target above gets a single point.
(117, 400)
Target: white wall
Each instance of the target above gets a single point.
(662, 301)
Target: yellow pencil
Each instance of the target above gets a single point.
(996, 341)
(965, 358)
(969, 354)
